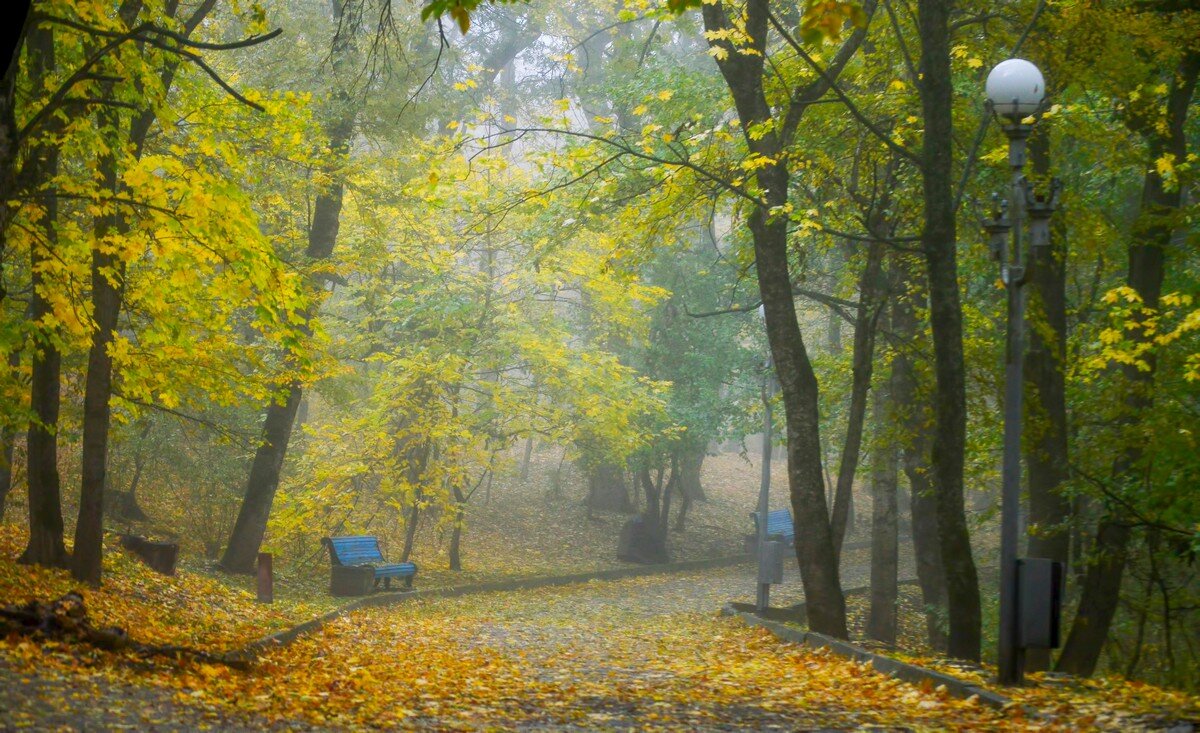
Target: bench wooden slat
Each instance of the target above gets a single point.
(779, 524)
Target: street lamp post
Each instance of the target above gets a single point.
(1015, 90)
(763, 597)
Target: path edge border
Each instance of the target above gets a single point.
(888, 666)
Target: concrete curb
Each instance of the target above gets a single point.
(287, 636)
(910, 673)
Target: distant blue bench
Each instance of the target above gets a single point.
(779, 525)
(362, 551)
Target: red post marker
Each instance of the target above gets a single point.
(266, 578)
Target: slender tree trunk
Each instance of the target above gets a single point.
(885, 544)
(8, 440)
(108, 284)
(526, 457)
(939, 242)
(410, 530)
(607, 490)
(108, 277)
(416, 471)
(456, 534)
(768, 135)
(45, 503)
(664, 518)
(251, 525)
(1152, 235)
(908, 400)
(870, 305)
(691, 461)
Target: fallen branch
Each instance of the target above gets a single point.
(66, 618)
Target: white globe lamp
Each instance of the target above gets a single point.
(1015, 88)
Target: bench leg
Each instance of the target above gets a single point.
(408, 582)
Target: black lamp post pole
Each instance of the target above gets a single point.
(1011, 657)
(1005, 230)
(763, 599)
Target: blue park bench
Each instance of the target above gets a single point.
(357, 561)
(779, 525)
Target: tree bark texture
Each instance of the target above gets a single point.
(938, 240)
(459, 510)
(885, 544)
(916, 422)
(607, 490)
(108, 283)
(251, 526)
(691, 461)
(743, 71)
(871, 289)
(45, 503)
(1152, 234)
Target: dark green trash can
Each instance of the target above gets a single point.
(351, 580)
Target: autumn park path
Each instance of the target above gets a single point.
(634, 653)
(647, 652)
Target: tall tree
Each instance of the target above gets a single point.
(1164, 133)
(885, 555)
(108, 283)
(251, 526)
(739, 38)
(915, 432)
(45, 503)
(939, 243)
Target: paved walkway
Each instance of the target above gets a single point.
(621, 654)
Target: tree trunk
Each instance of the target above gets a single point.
(8, 440)
(908, 400)
(938, 240)
(8, 435)
(690, 463)
(410, 530)
(45, 502)
(607, 490)
(885, 550)
(108, 283)
(870, 305)
(251, 525)
(743, 71)
(1152, 236)
(526, 457)
(456, 534)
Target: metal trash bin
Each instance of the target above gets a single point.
(1039, 602)
(770, 563)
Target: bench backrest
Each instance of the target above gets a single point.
(354, 550)
(779, 522)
